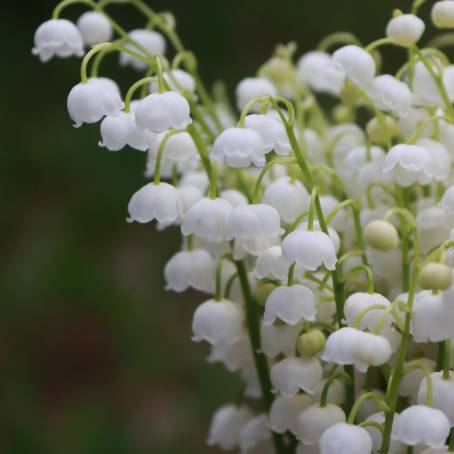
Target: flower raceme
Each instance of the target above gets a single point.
(323, 246)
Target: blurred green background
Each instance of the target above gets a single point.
(95, 357)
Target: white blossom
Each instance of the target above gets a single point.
(57, 37)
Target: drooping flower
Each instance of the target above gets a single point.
(290, 304)
(151, 41)
(218, 322)
(420, 424)
(343, 438)
(310, 249)
(57, 37)
(95, 28)
(253, 87)
(159, 112)
(90, 102)
(208, 219)
(293, 374)
(405, 29)
(239, 147)
(155, 201)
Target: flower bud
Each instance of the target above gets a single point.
(263, 291)
(350, 94)
(382, 133)
(311, 343)
(405, 29)
(343, 114)
(381, 235)
(443, 14)
(435, 276)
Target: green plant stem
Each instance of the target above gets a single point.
(447, 360)
(261, 364)
(394, 383)
(201, 148)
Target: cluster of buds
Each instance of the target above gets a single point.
(324, 246)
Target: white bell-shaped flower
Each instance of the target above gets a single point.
(153, 42)
(252, 221)
(271, 264)
(159, 112)
(343, 438)
(235, 357)
(314, 420)
(390, 94)
(447, 201)
(90, 102)
(218, 322)
(199, 179)
(441, 159)
(442, 394)
(178, 147)
(432, 317)
(405, 29)
(316, 70)
(120, 130)
(155, 201)
(352, 346)
(234, 197)
(292, 375)
(239, 147)
(57, 37)
(208, 219)
(226, 425)
(357, 64)
(190, 269)
(254, 433)
(272, 132)
(290, 304)
(425, 90)
(419, 424)
(178, 80)
(357, 302)
(310, 249)
(253, 87)
(95, 28)
(290, 198)
(409, 385)
(277, 339)
(407, 164)
(284, 412)
(443, 14)
(434, 224)
(355, 161)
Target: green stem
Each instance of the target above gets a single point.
(360, 400)
(438, 82)
(369, 274)
(334, 373)
(132, 90)
(261, 364)
(159, 155)
(201, 148)
(291, 272)
(394, 383)
(447, 360)
(451, 441)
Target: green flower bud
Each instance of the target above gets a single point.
(343, 114)
(350, 94)
(381, 235)
(311, 343)
(263, 291)
(435, 276)
(279, 71)
(382, 133)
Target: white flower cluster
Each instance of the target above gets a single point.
(324, 246)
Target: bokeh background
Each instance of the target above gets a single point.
(94, 356)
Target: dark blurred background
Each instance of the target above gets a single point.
(94, 356)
